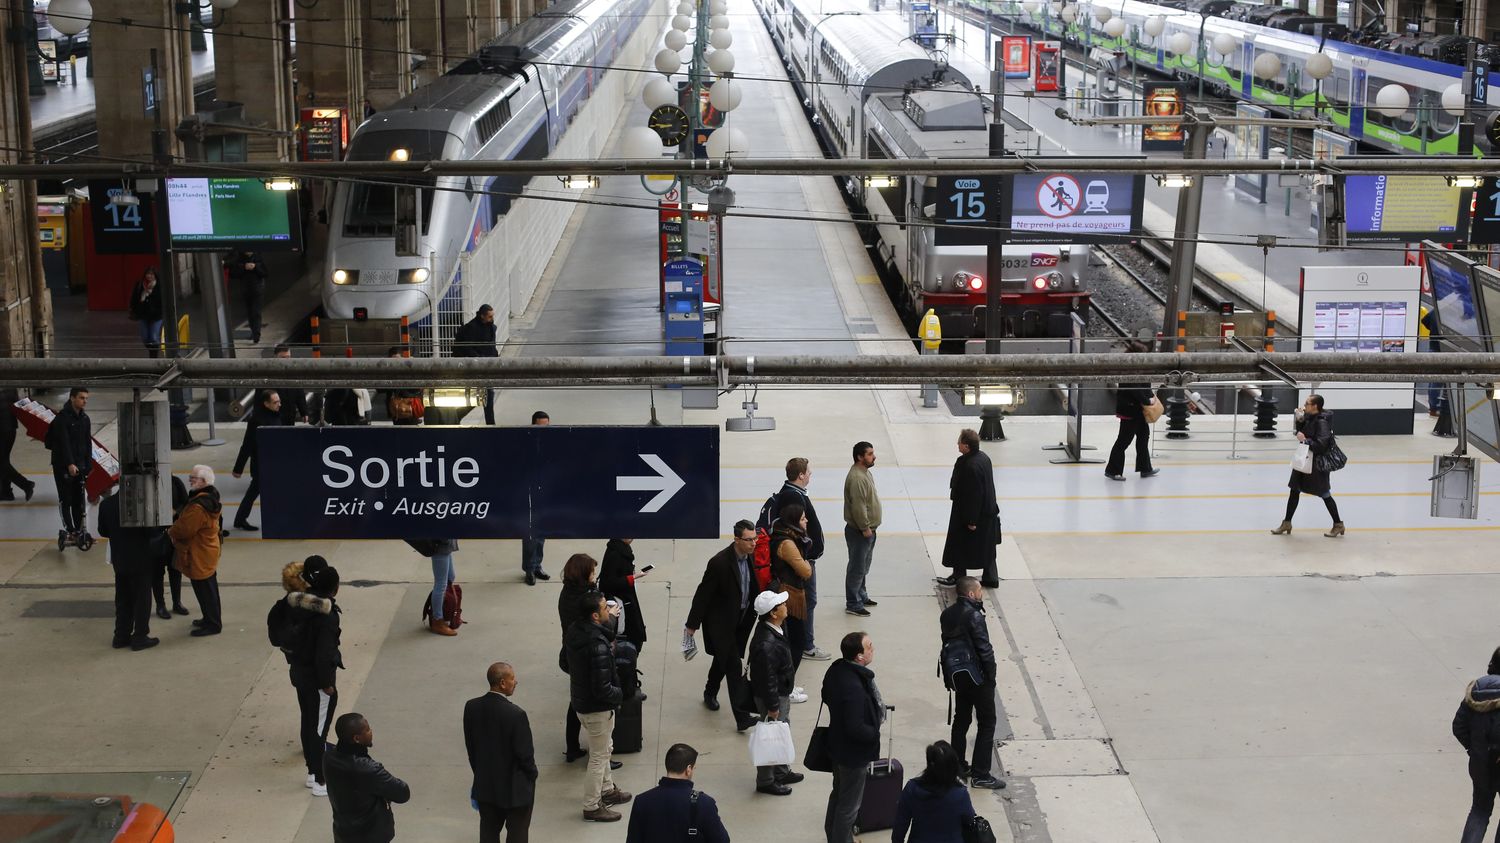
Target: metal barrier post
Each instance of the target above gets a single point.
(317, 339)
(213, 410)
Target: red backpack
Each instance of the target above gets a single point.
(760, 563)
(453, 603)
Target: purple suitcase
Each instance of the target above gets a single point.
(882, 787)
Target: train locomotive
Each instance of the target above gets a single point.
(513, 100)
(871, 92)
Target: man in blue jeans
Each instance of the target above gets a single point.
(531, 548)
(861, 519)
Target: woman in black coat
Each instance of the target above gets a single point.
(1314, 427)
(974, 519)
(617, 578)
(163, 563)
(1131, 400)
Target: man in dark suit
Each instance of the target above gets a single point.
(266, 413)
(721, 607)
(130, 554)
(477, 339)
(498, 737)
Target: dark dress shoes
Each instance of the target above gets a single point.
(120, 643)
(144, 644)
(161, 612)
(180, 609)
(246, 526)
(543, 576)
(790, 778)
(573, 755)
(710, 703)
(774, 789)
(203, 630)
(530, 578)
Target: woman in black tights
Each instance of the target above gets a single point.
(164, 562)
(1314, 427)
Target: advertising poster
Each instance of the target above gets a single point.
(1403, 208)
(1015, 56)
(1163, 99)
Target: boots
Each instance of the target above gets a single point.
(440, 626)
(1338, 530)
(1286, 527)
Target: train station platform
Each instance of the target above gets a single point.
(68, 108)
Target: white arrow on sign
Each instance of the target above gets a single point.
(666, 483)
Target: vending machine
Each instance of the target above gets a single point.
(1049, 67)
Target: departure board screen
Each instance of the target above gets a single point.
(1404, 208)
(209, 215)
(1453, 291)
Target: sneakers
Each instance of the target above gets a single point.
(319, 789)
(988, 782)
(602, 814)
(615, 796)
(797, 695)
(311, 780)
(817, 654)
(869, 603)
(859, 612)
(543, 575)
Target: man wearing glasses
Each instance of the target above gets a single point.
(721, 606)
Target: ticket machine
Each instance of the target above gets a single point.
(682, 316)
(1049, 67)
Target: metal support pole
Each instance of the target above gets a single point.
(991, 428)
(1185, 244)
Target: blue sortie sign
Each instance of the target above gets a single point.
(489, 483)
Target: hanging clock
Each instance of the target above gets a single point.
(671, 123)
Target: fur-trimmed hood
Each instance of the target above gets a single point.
(1483, 694)
(310, 602)
(291, 577)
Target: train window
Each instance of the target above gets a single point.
(371, 208)
(492, 120)
(506, 189)
(1340, 93)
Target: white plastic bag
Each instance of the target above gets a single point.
(771, 744)
(1302, 460)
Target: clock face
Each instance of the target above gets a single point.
(671, 123)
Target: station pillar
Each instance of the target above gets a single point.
(387, 50)
(442, 31)
(486, 21)
(330, 58)
(120, 52)
(252, 65)
(25, 325)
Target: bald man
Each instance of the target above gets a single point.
(498, 738)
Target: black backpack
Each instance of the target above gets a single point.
(957, 656)
(286, 629)
(769, 512)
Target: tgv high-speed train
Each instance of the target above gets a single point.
(872, 93)
(1348, 94)
(512, 100)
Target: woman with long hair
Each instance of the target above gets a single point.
(935, 804)
(1314, 427)
(146, 309)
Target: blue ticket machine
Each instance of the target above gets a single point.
(683, 315)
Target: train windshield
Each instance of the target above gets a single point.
(372, 207)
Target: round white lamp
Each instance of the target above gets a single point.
(640, 142)
(718, 22)
(1114, 27)
(659, 92)
(720, 39)
(685, 9)
(1031, 6)
(1180, 44)
(70, 17)
(718, 7)
(1225, 44)
(726, 142)
(1392, 100)
(668, 61)
(675, 40)
(1453, 99)
(682, 22)
(724, 95)
(1102, 14)
(721, 61)
(1267, 65)
(1319, 66)
(1155, 25)
(1069, 13)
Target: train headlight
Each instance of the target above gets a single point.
(414, 276)
(1039, 282)
(1054, 280)
(344, 277)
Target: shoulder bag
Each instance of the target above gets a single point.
(1332, 459)
(817, 757)
(1153, 411)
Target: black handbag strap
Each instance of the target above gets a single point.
(693, 814)
(817, 721)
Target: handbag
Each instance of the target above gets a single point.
(976, 829)
(1302, 459)
(1332, 459)
(1153, 411)
(817, 757)
(998, 535)
(771, 744)
(161, 548)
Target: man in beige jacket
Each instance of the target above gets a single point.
(861, 519)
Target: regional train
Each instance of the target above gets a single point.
(871, 92)
(1425, 66)
(513, 100)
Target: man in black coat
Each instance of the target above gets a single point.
(497, 735)
(360, 791)
(772, 675)
(293, 398)
(794, 490)
(477, 339)
(9, 476)
(71, 439)
(1477, 727)
(312, 631)
(267, 413)
(594, 686)
(968, 662)
(974, 518)
(249, 273)
(673, 812)
(855, 712)
(721, 608)
(130, 555)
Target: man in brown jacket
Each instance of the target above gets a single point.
(195, 534)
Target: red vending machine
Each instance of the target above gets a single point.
(1049, 67)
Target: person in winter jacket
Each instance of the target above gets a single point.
(667, 812)
(577, 580)
(772, 674)
(594, 688)
(855, 712)
(360, 791)
(297, 576)
(196, 535)
(789, 566)
(1477, 727)
(71, 440)
(146, 310)
(934, 805)
(267, 413)
(617, 579)
(974, 518)
(308, 623)
(477, 339)
(248, 273)
(1314, 427)
(794, 491)
(969, 670)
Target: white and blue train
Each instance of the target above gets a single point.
(513, 100)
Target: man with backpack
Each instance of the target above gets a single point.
(967, 661)
(305, 626)
(1477, 727)
(721, 608)
(794, 490)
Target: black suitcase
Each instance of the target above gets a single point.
(628, 727)
(882, 787)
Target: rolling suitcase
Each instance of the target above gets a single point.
(628, 726)
(882, 787)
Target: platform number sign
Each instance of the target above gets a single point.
(1485, 230)
(1480, 77)
(120, 229)
(966, 210)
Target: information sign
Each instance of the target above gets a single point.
(1452, 280)
(1403, 209)
(966, 210)
(1074, 207)
(1163, 99)
(121, 229)
(210, 215)
(1484, 230)
(489, 482)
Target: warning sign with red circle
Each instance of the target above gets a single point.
(1058, 195)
